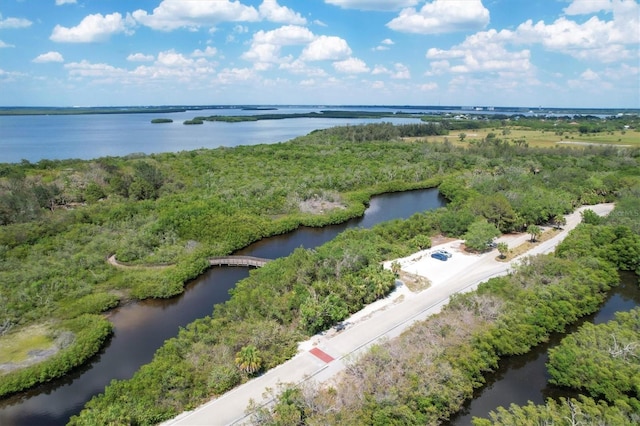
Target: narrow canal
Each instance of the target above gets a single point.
(141, 328)
(524, 378)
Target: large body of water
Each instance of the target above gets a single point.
(57, 137)
(141, 328)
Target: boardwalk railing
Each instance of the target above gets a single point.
(238, 261)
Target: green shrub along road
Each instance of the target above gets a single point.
(61, 219)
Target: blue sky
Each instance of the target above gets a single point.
(553, 53)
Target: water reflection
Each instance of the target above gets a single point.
(141, 328)
(524, 378)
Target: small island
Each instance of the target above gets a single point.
(161, 120)
(196, 120)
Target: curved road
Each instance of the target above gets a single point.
(325, 355)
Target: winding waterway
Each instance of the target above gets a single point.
(141, 328)
(524, 378)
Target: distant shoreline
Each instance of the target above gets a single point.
(35, 110)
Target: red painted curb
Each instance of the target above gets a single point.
(322, 355)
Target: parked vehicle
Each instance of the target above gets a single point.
(446, 253)
(440, 256)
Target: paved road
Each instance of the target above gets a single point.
(323, 356)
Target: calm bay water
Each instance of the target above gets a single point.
(58, 137)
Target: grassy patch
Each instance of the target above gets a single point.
(15, 347)
(415, 283)
(528, 245)
(539, 138)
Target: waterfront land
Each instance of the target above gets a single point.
(62, 219)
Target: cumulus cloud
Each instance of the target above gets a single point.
(174, 14)
(351, 66)
(207, 52)
(266, 46)
(585, 7)
(326, 48)
(594, 39)
(442, 16)
(590, 75)
(382, 5)
(93, 28)
(61, 2)
(4, 45)
(8, 23)
(384, 44)
(140, 57)
(400, 71)
(49, 57)
(170, 66)
(481, 52)
(428, 86)
(85, 68)
(272, 11)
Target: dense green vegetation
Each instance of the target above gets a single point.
(424, 375)
(161, 120)
(584, 411)
(61, 219)
(603, 360)
(196, 120)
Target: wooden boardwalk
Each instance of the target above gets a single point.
(256, 262)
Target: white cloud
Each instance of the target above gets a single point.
(481, 52)
(585, 7)
(85, 68)
(380, 69)
(171, 58)
(170, 67)
(442, 16)
(233, 75)
(429, 86)
(8, 23)
(61, 2)
(301, 67)
(382, 5)
(174, 14)
(401, 72)
(49, 57)
(272, 11)
(207, 52)
(326, 48)
(351, 66)
(93, 28)
(140, 57)
(384, 44)
(4, 45)
(589, 75)
(594, 39)
(266, 46)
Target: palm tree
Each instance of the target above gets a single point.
(503, 248)
(248, 359)
(559, 221)
(535, 232)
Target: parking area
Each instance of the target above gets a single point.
(439, 271)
